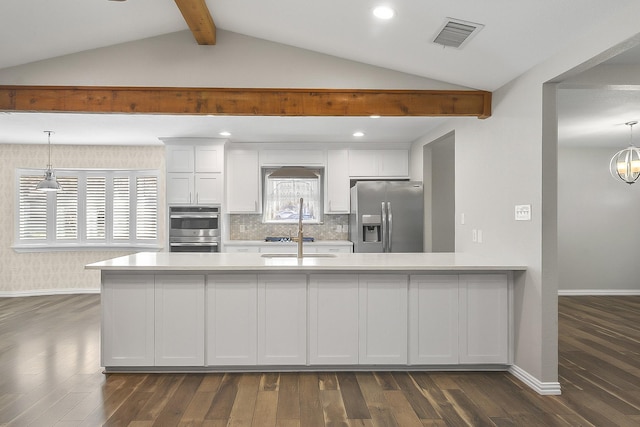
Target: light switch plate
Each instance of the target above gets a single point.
(523, 212)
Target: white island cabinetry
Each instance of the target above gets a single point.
(128, 320)
(484, 302)
(383, 319)
(352, 311)
(179, 320)
(282, 319)
(333, 319)
(232, 321)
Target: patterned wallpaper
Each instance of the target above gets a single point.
(62, 271)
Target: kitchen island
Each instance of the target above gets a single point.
(250, 311)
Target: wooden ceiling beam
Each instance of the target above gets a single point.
(196, 14)
(246, 102)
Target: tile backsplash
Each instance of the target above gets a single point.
(251, 227)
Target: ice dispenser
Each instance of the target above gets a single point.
(371, 228)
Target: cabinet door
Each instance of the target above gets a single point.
(232, 322)
(484, 318)
(208, 158)
(282, 319)
(180, 188)
(292, 158)
(393, 163)
(180, 158)
(333, 319)
(127, 320)
(363, 163)
(383, 319)
(338, 191)
(179, 307)
(433, 320)
(379, 163)
(208, 188)
(243, 182)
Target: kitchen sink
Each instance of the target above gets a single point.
(295, 255)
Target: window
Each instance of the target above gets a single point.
(282, 195)
(96, 208)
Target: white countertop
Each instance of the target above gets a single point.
(348, 262)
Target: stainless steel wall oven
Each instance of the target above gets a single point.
(194, 228)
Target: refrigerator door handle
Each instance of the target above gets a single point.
(383, 223)
(389, 227)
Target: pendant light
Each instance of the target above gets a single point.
(625, 164)
(49, 183)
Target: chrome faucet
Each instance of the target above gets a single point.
(300, 237)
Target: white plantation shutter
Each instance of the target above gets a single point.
(32, 205)
(67, 208)
(147, 207)
(121, 207)
(96, 207)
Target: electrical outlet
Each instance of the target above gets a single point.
(474, 235)
(242, 228)
(479, 236)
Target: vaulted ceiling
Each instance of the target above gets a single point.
(516, 36)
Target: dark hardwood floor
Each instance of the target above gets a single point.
(50, 376)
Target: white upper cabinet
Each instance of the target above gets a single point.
(243, 182)
(379, 163)
(195, 173)
(292, 158)
(337, 179)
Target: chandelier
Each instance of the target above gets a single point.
(625, 164)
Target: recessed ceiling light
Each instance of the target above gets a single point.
(374, 116)
(384, 12)
(225, 133)
(358, 134)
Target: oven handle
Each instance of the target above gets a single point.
(195, 215)
(194, 244)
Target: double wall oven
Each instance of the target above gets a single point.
(194, 228)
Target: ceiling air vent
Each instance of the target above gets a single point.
(456, 33)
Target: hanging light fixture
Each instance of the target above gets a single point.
(49, 183)
(625, 164)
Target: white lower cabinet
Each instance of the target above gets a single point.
(333, 319)
(282, 319)
(297, 319)
(433, 320)
(232, 324)
(484, 318)
(179, 320)
(127, 320)
(383, 319)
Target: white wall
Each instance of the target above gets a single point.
(500, 163)
(234, 61)
(598, 225)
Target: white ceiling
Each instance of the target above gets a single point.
(517, 35)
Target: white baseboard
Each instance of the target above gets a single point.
(597, 292)
(42, 292)
(543, 388)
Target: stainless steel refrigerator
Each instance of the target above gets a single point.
(386, 216)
